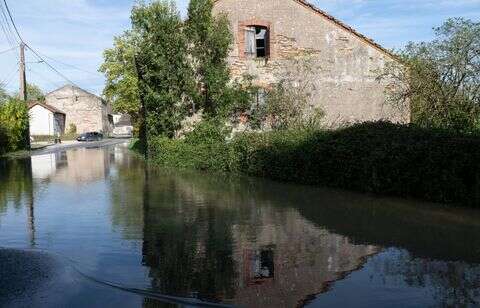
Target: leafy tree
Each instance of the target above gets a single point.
(3, 94)
(165, 75)
(14, 123)
(210, 40)
(34, 93)
(121, 77)
(442, 79)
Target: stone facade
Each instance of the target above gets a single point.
(346, 63)
(88, 112)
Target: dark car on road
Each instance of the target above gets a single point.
(92, 136)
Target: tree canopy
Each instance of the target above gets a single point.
(162, 65)
(121, 78)
(210, 40)
(442, 79)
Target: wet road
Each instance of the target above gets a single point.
(94, 227)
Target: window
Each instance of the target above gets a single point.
(256, 41)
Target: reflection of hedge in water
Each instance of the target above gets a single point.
(370, 157)
(425, 230)
(15, 182)
(201, 236)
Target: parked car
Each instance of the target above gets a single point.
(92, 136)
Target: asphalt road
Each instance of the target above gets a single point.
(90, 144)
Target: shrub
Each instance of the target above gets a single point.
(14, 122)
(3, 140)
(376, 157)
(72, 129)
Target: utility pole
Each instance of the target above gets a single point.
(23, 78)
(23, 90)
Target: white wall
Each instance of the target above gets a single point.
(41, 121)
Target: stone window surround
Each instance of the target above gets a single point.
(241, 36)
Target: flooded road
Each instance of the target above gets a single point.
(148, 237)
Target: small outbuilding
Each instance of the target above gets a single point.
(45, 120)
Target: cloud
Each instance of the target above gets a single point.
(77, 31)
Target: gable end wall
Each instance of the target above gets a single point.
(346, 65)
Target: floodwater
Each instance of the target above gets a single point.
(136, 234)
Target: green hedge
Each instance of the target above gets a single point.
(14, 120)
(372, 157)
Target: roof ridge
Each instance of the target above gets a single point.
(344, 26)
(31, 104)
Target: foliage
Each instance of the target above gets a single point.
(162, 64)
(443, 77)
(34, 93)
(3, 94)
(210, 40)
(14, 123)
(290, 103)
(373, 157)
(72, 129)
(121, 77)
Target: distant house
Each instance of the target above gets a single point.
(122, 125)
(45, 120)
(85, 111)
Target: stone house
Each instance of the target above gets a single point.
(84, 110)
(270, 36)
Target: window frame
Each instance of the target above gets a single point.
(245, 26)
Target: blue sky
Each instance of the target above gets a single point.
(77, 31)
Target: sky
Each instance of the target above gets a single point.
(75, 32)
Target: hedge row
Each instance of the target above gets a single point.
(14, 121)
(375, 157)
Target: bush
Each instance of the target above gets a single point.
(3, 140)
(375, 157)
(204, 148)
(14, 123)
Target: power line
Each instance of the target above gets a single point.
(10, 49)
(13, 22)
(45, 78)
(5, 28)
(49, 65)
(72, 66)
(31, 49)
(10, 78)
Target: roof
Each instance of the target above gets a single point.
(77, 88)
(48, 107)
(346, 27)
(124, 120)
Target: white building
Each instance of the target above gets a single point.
(45, 120)
(122, 125)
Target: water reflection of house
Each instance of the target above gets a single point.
(290, 260)
(252, 255)
(44, 166)
(73, 166)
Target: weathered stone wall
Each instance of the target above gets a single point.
(346, 65)
(86, 111)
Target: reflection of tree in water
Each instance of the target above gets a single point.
(126, 187)
(247, 241)
(214, 239)
(15, 182)
(451, 283)
(188, 247)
